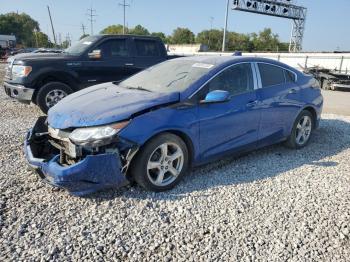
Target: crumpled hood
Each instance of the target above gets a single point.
(104, 104)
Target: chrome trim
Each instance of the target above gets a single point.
(199, 89)
(254, 76)
(257, 71)
(19, 92)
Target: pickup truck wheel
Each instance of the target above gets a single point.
(161, 163)
(50, 94)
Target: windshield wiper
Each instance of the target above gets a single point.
(138, 88)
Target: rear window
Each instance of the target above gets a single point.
(271, 75)
(290, 77)
(147, 48)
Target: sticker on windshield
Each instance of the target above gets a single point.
(87, 43)
(202, 65)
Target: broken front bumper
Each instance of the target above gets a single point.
(93, 173)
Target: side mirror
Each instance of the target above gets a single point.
(216, 96)
(95, 54)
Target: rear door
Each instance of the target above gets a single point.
(148, 52)
(279, 95)
(231, 125)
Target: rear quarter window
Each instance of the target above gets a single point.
(147, 48)
(290, 77)
(271, 75)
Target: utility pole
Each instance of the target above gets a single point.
(36, 37)
(225, 30)
(91, 14)
(124, 5)
(53, 30)
(60, 39)
(83, 27)
(68, 40)
(211, 19)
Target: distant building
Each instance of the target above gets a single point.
(7, 41)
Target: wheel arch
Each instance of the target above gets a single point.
(62, 77)
(313, 113)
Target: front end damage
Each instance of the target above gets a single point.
(81, 170)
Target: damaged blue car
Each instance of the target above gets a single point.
(154, 126)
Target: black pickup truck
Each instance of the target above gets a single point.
(45, 79)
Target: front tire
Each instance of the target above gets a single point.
(50, 94)
(302, 130)
(161, 163)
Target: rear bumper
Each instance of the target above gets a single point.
(19, 92)
(93, 173)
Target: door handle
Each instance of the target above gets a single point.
(129, 64)
(252, 103)
(292, 91)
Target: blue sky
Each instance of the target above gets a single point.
(326, 27)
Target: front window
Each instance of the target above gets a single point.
(170, 76)
(82, 45)
(236, 80)
(114, 48)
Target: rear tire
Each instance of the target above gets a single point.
(302, 131)
(50, 94)
(161, 163)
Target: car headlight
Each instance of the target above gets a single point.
(96, 136)
(21, 71)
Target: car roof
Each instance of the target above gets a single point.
(218, 60)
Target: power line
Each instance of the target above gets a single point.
(124, 5)
(91, 14)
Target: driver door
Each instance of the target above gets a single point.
(232, 125)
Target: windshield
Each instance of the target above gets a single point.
(81, 46)
(170, 76)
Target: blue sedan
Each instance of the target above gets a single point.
(154, 126)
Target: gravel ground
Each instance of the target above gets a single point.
(275, 204)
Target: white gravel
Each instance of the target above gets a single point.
(275, 204)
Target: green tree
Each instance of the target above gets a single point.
(265, 41)
(239, 42)
(162, 36)
(139, 30)
(20, 25)
(182, 36)
(42, 39)
(65, 44)
(113, 30)
(211, 38)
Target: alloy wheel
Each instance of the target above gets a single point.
(54, 96)
(165, 164)
(303, 130)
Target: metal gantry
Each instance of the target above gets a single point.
(279, 8)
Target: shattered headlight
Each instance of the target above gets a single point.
(96, 136)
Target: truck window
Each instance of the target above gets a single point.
(114, 48)
(147, 48)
